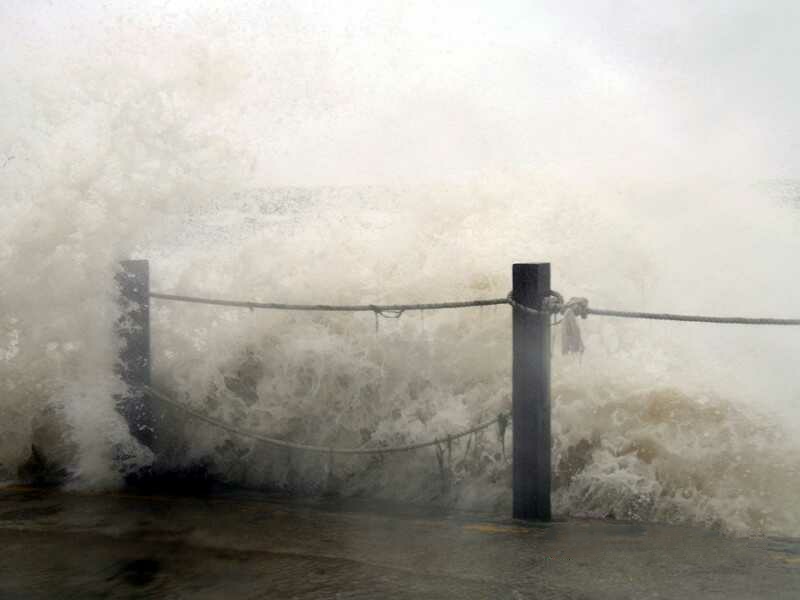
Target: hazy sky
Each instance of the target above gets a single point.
(353, 92)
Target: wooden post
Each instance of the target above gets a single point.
(531, 394)
(133, 367)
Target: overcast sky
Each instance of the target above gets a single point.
(386, 92)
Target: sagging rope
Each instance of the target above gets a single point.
(385, 310)
(554, 304)
(162, 397)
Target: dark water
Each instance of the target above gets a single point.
(58, 545)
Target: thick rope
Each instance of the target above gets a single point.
(384, 310)
(580, 308)
(309, 448)
(691, 318)
(553, 304)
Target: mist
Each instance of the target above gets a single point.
(411, 152)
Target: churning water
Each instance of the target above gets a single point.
(139, 154)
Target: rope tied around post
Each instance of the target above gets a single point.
(554, 304)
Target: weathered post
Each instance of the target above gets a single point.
(133, 366)
(531, 394)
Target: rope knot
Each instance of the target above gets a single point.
(553, 303)
(578, 306)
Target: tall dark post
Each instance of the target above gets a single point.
(133, 367)
(531, 394)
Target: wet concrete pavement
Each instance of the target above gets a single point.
(62, 545)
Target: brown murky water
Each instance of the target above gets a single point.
(60, 545)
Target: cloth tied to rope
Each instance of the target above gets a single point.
(571, 340)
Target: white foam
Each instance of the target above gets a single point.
(138, 142)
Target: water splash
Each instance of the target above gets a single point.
(143, 155)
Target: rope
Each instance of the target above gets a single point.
(384, 310)
(579, 307)
(553, 304)
(321, 449)
(691, 318)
